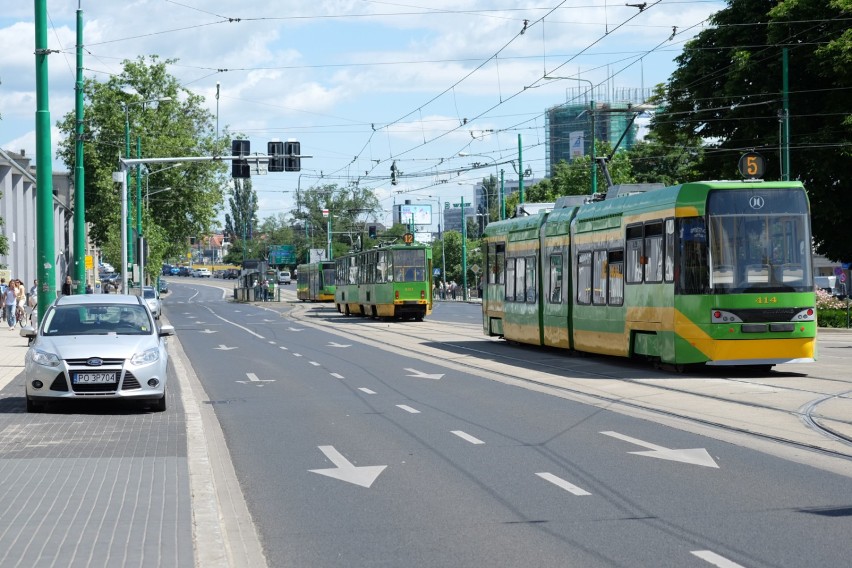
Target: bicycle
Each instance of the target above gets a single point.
(24, 315)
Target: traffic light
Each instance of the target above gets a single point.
(276, 156)
(371, 230)
(292, 160)
(240, 168)
(394, 172)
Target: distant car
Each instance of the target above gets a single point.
(232, 273)
(152, 298)
(96, 347)
(184, 271)
(284, 277)
(163, 286)
(174, 270)
(202, 273)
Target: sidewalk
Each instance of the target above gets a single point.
(90, 484)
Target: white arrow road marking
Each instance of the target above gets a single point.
(715, 559)
(337, 375)
(208, 331)
(467, 437)
(366, 390)
(333, 344)
(252, 378)
(224, 348)
(345, 471)
(561, 483)
(695, 456)
(422, 375)
(407, 408)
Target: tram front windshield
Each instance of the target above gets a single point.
(409, 265)
(752, 241)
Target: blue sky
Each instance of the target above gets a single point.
(361, 83)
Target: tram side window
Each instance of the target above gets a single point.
(599, 277)
(370, 261)
(584, 277)
(670, 247)
(654, 252)
(510, 279)
(693, 260)
(382, 267)
(634, 255)
(530, 280)
(520, 273)
(556, 279)
(496, 260)
(616, 277)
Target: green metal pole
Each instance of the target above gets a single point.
(45, 246)
(785, 157)
(139, 251)
(328, 230)
(520, 172)
(594, 172)
(502, 196)
(79, 177)
(464, 251)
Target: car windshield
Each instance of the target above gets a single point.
(148, 294)
(97, 319)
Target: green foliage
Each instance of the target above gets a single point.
(832, 318)
(175, 128)
(725, 95)
(449, 253)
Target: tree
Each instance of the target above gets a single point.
(180, 126)
(725, 95)
(575, 178)
(242, 220)
(350, 210)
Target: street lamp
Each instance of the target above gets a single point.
(594, 170)
(126, 249)
(487, 196)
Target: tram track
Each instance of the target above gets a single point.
(482, 361)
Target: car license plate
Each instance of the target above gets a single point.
(93, 378)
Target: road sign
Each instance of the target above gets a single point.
(436, 272)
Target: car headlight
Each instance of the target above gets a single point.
(44, 358)
(146, 357)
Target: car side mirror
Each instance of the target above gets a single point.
(166, 330)
(28, 332)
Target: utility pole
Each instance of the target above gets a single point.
(79, 171)
(520, 172)
(464, 249)
(785, 87)
(45, 245)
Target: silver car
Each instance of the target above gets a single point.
(97, 346)
(152, 298)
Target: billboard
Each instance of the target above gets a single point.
(416, 213)
(577, 142)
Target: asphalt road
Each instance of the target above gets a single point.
(353, 455)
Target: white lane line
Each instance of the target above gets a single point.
(467, 437)
(337, 375)
(314, 363)
(366, 390)
(272, 343)
(282, 347)
(561, 483)
(715, 559)
(408, 409)
(297, 354)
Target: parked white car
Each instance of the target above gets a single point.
(202, 273)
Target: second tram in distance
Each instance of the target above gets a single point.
(389, 281)
(315, 282)
(715, 273)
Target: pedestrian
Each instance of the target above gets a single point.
(33, 299)
(9, 301)
(453, 287)
(66, 287)
(89, 288)
(3, 288)
(20, 295)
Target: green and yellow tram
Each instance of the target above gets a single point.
(715, 273)
(389, 281)
(315, 282)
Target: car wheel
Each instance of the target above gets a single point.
(160, 404)
(33, 407)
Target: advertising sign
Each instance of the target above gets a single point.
(415, 213)
(577, 142)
